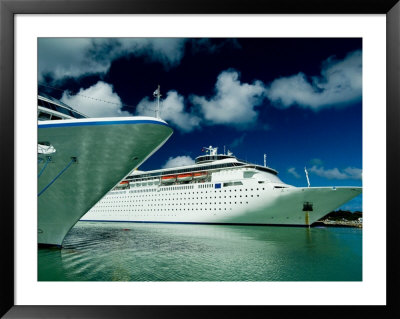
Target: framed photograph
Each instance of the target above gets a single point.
(309, 81)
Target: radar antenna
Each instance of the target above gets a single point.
(211, 150)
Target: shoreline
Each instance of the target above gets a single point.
(338, 223)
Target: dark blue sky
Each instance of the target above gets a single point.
(297, 100)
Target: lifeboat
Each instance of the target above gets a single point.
(185, 177)
(123, 185)
(168, 179)
(199, 175)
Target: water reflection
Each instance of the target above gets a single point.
(179, 252)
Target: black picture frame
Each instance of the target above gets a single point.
(8, 10)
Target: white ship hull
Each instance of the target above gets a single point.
(91, 156)
(250, 203)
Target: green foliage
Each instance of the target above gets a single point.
(343, 214)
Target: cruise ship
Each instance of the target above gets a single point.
(217, 189)
(80, 159)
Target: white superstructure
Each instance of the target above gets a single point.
(80, 159)
(218, 189)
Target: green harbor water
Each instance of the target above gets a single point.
(182, 252)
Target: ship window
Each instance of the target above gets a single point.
(43, 116)
(77, 115)
(64, 110)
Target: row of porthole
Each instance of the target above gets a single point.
(215, 191)
(130, 215)
(177, 204)
(119, 210)
(174, 199)
(150, 210)
(210, 203)
(168, 198)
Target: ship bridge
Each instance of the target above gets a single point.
(50, 108)
(214, 156)
(211, 158)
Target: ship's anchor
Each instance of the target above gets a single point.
(46, 149)
(307, 207)
(48, 159)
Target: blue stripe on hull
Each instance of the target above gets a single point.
(101, 123)
(190, 223)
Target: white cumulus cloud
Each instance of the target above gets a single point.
(172, 110)
(178, 161)
(292, 171)
(74, 57)
(339, 84)
(233, 103)
(353, 172)
(335, 173)
(98, 100)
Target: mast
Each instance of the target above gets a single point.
(265, 160)
(211, 150)
(308, 181)
(157, 95)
